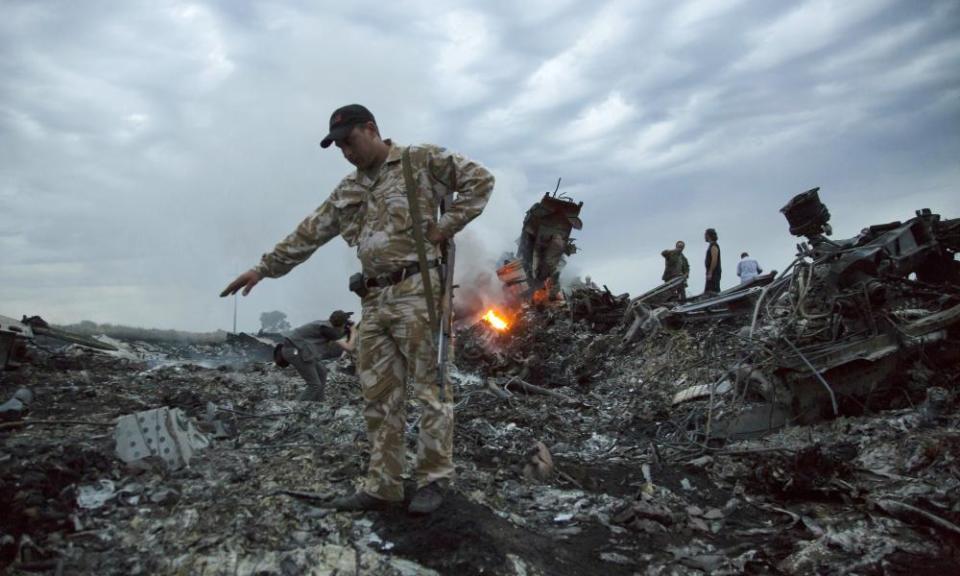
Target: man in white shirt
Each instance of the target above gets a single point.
(747, 268)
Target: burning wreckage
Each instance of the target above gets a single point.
(803, 424)
(851, 328)
(833, 332)
(534, 273)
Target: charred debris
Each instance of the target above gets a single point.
(835, 332)
(14, 336)
(533, 274)
(803, 423)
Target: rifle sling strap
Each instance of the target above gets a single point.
(414, 203)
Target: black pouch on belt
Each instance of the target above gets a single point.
(358, 284)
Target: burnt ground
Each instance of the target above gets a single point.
(467, 538)
(229, 494)
(627, 493)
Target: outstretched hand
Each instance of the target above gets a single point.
(247, 281)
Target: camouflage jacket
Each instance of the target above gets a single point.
(676, 264)
(373, 215)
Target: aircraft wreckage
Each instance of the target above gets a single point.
(15, 334)
(544, 243)
(596, 434)
(837, 328)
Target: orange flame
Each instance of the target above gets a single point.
(496, 321)
(541, 296)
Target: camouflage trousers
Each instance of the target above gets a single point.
(396, 347)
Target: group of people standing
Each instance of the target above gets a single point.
(676, 265)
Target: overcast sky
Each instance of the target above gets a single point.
(150, 151)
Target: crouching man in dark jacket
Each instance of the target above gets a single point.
(309, 345)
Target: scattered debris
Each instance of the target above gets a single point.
(16, 405)
(14, 334)
(96, 495)
(599, 309)
(814, 430)
(661, 295)
(161, 432)
(540, 464)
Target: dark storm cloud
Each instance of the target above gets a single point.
(150, 151)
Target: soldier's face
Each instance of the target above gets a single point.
(680, 246)
(359, 146)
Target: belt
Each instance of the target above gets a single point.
(397, 276)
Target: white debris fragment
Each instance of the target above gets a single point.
(94, 496)
(163, 432)
(345, 412)
(713, 514)
(614, 558)
(599, 443)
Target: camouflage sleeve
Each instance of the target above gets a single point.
(472, 182)
(315, 231)
(685, 266)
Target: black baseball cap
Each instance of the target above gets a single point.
(343, 120)
(339, 318)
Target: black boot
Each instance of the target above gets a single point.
(357, 502)
(312, 394)
(428, 498)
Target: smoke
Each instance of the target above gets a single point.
(475, 278)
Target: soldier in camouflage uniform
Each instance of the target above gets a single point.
(675, 264)
(369, 209)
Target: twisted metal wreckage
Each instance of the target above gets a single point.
(544, 243)
(838, 327)
(15, 334)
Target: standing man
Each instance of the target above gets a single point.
(712, 262)
(370, 210)
(748, 268)
(309, 345)
(675, 264)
